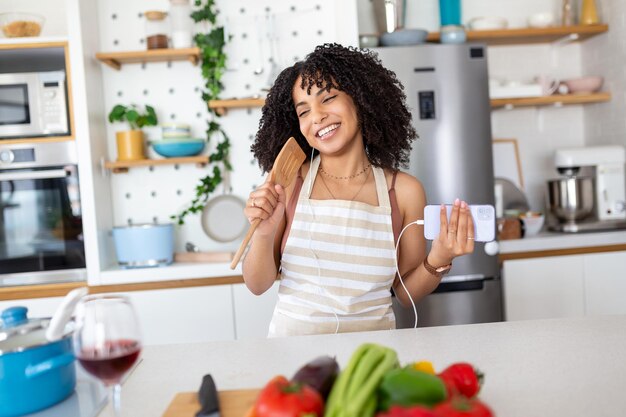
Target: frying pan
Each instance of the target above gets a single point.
(222, 217)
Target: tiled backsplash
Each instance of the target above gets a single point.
(606, 55)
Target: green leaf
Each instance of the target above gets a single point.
(117, 114)
(132, 115)
(151, 117)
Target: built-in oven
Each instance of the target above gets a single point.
(33, 104)
(41, 231)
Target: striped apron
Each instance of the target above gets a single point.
(338, 265)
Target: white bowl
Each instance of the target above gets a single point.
(488, 23)
(589, 84)
(404, 37)
(541, 20)
(533, 222)
(368, 40)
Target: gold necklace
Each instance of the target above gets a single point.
(357, 191)
(349, 177)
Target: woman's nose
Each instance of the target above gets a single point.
(319, 116)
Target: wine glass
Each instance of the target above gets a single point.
(107, 341)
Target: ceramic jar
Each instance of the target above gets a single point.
(589, 13)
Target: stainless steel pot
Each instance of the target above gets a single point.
(571, 199)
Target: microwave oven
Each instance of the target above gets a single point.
(33, 104)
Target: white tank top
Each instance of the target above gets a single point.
(338, 265)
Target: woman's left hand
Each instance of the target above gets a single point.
(456, 236)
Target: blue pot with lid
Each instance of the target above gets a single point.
(34, 373)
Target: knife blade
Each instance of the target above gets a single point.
(207, 396)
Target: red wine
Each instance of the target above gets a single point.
(110, 362)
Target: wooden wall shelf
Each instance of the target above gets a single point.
(222, 106)
(124, 166)
(557, 100)
(529, 35)
(116, 59)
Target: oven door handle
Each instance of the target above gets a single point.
(33, 175)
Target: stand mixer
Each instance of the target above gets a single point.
(591, 195)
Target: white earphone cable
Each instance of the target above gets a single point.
(419, 223)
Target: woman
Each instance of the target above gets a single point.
(331, 235)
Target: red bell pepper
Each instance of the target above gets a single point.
(281, 398)
(462, 407)
(416, 411)
(462, 378)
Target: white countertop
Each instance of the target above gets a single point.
(177, 270)
(555, 240)
(561, 367)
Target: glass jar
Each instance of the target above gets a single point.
(180, 12)
(567, 19)
(156, 29)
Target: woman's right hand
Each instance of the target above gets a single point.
(268, 204)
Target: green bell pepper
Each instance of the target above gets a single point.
(407, 387)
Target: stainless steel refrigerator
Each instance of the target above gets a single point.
(448, 93)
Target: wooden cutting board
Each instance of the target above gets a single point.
(233, 403)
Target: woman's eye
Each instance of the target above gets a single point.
(329, 98)
(302, 113)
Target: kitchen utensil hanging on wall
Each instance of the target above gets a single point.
(272, 36)
(260, 68)
(222, 217)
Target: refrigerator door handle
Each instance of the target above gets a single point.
(462, 278)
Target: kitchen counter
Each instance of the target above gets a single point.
(561, 367)
(557, 244)
(183, 275)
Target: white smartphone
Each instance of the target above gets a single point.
(484, 217)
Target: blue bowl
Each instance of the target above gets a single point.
(404, 37)
(178, 148)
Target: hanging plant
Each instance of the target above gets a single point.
(213, 59)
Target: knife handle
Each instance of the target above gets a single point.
(207, 396)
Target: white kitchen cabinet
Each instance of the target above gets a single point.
(253, 313)
(185, 315)
(605, 283)
(565, 286)
(543, 287)
(37, 307)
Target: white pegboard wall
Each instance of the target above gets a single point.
(262, 34)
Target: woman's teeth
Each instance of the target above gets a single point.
(327, 130)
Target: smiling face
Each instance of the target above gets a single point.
(328, 119)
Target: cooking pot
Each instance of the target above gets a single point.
(571, 199)
(34, 373)
(144, 245)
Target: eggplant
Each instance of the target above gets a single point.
(319, 374)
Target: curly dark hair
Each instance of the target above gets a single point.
(384, 118)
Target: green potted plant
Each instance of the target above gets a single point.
(130, 143)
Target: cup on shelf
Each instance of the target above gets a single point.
(532, 222)
(549, 85)
(452, 34)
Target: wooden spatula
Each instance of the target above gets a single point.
(283, 172)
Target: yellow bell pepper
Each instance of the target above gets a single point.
(424, 366)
